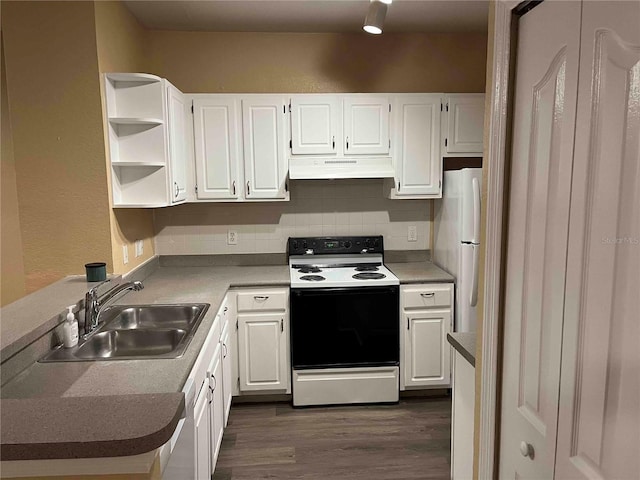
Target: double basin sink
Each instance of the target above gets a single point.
(130, 332)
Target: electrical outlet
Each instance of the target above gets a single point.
(139, 248)
(232, 237)
(125, 254)
(412, 233)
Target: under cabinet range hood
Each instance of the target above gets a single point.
(330, 168)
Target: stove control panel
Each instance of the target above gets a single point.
(334, 245)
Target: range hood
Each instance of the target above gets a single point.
(329, 168)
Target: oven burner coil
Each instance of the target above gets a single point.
(312, 278)
(369, 276)
(310, 269)
(366, 268)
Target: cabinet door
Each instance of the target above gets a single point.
(178, 154)
(217, 150)
(263, 351)
(314, 124)
(417, 142)
(427, 357)
(227, 376)
(366, 125)
(465, 123)
(216, 407)
(201, 413)
(265, 162)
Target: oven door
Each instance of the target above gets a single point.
(345, 327)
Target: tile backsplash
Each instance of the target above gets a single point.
(317, 207)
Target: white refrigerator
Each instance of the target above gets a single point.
(456, 246)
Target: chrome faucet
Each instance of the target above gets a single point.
(93, 304)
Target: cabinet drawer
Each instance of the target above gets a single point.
(262, 300)
(427, 296)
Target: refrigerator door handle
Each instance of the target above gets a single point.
(476, 211)
(473, 298)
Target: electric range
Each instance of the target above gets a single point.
(345, 333)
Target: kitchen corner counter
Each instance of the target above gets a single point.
(103, 389)
(419, 272)
(465, 344)
(60, 427)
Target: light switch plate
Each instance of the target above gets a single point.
(125, 254)
(412, 233)
(232, 237)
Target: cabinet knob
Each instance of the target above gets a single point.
(526, 449)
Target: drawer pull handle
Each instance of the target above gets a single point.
(427, 295)
(215, 383)
(224, 346)
(261, 298)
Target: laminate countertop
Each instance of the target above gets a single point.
(51, 389)
(465, 344)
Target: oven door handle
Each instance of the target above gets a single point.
(318, 292)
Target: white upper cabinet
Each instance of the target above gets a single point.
(216, 123)
(264, 134)
(366, 125)
(465, 123)
(417, 159)
(177, 111)
(314, 124)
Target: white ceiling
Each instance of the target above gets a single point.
(309, 15)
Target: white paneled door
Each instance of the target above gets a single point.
(177, 135)
(366, 125)
(265, 163)
(217, 146)
(599, 415)
(314, 124)
(543, 125)
(418, 162)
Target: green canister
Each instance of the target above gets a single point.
(96, 271)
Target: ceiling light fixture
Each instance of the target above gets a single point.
(375, 16)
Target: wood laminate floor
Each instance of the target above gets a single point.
(410, 440)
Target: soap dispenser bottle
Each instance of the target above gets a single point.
(70, 329)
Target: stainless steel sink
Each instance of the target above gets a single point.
(129, 332)
(151, 316)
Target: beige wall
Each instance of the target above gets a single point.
(56, 121)
(121, 43)
(201, 62)
(11, 259)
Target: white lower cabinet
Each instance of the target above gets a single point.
(201, 421)
(263, 340)
(212, 378)
(426, 317)
(227, 371)
(216, 406)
